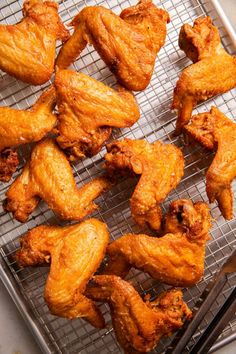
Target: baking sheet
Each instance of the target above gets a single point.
(228, 17)
(26, 286)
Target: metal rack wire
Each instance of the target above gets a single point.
(157, 122)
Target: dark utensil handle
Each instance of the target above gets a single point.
(216, 326)
(202, 306)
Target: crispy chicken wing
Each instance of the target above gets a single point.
(215, 131)
(27, 49)
(213, 71)
(88, 110)
(48, 175)
(177, 258)
(75, 252)
(21, 127)
(161, 168)
(139, 325)
(127, 43)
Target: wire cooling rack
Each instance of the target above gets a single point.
(56, 335)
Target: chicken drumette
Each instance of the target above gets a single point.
(161, 168)
(177, 258)
(75, 252)
(88, 110)
(215, 131)
(127, 43)
(138, 325)
(19, 127)
(48, 175)
(213, 71)
(27, 49)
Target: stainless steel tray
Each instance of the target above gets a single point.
(56, 335)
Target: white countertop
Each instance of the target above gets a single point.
(15, 338)
(230, 10)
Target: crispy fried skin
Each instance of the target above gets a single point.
(161, 168)
(48, 175)
(128, 44)
(19, 127)
(213, 71)
(177, 258)
(215, 131)
(8, 164)
(138, 325)
(88, 110)
(27, 49)
(75, 252)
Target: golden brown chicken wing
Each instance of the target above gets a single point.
(48, 175)
(19, 127)
(75, 252)
(177, 258)
(139, 325)
(88, 110)
(161, 168)
(127, 43)
(27, 49)
(215, 131)
(213, 71)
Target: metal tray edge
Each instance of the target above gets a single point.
(8, 280)
(227, 24)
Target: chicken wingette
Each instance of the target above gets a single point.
(74, 254)
(88, 110)
(160, 167)
(49, 176)
(139, 325)
(128, 43)
(215, 131)
(213, 71)
(19, 127)
(27, 49)
(177, 258)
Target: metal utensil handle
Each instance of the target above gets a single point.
(204, 303)
(216, 326)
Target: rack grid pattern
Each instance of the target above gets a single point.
(156, 122)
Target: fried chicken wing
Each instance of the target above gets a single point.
(213, 71)
(161, 168)
(215, 131)
(27, 49)
(177, 258)
(138, 325)
(48, 175)
(19, 127)
(88, 110)
(128, 43)
(75, 252)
